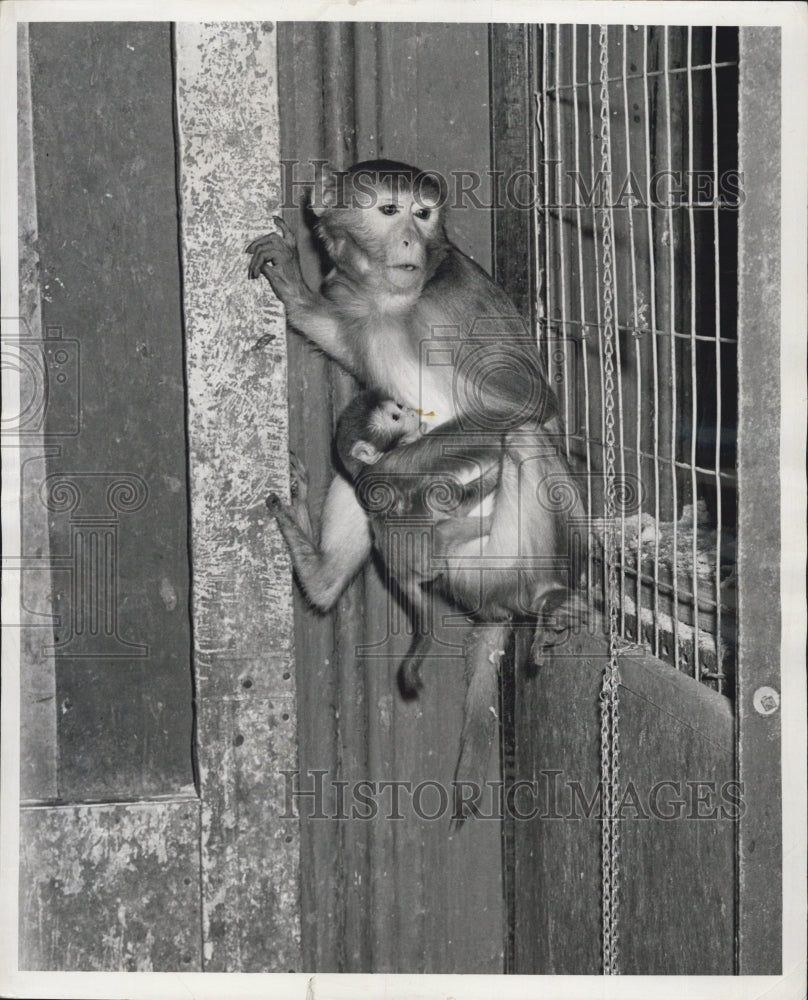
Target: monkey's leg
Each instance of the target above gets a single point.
(447, 536)
(275, 256)
(454, 531)
(324, 571)
(484, 652)
(418, 600)
(478, 489)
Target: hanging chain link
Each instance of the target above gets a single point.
(609, 706)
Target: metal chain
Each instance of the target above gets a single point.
(609, 694)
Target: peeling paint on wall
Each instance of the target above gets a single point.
(110, 887)
(238, 438)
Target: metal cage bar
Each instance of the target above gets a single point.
(635, 326)
(672, 306)
(655, 359)
(579, 231)
(693, 389)
(719, 645)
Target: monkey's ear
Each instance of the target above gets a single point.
(325, 192)
(365, 452)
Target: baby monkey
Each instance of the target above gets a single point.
(443, 477)
(399, 473)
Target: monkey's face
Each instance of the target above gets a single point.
(383, 231)
(391, 422)
(400, 226)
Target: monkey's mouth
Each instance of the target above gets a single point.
(404, 276)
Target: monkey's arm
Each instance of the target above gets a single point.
(275, 256)
(324, 571)
(454, 451)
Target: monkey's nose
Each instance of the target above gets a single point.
(406, 243)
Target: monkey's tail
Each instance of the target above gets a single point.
(480, 719)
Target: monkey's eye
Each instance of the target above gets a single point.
(388, 209)
(422, 213)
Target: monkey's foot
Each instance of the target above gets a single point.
(274, 504)
(554, 628)
(298, 479)
(286, 513)
(409, 678)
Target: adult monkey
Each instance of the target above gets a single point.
(398, 281)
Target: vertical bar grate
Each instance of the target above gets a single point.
(673, 94)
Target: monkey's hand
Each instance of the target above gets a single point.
(275, 256)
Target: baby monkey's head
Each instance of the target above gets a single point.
(372, 425)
